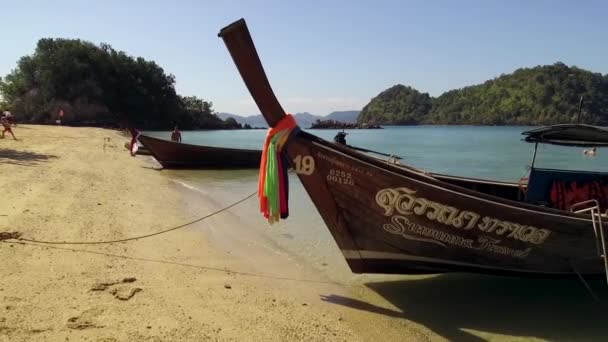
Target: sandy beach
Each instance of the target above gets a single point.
(80, 184)
(213, 280)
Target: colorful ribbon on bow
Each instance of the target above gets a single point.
(273, 184)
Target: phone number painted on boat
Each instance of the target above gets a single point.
(340, 177)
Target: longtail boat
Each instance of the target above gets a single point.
(171, 154)
(388, 218)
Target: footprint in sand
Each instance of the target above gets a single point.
(124, 292)
(85, 320)
(120, 292)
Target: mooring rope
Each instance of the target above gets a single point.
(201, 267)
(5, 236)
(13, 237)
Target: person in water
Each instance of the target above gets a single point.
(176, 135)
(590, 152)
(340, 138)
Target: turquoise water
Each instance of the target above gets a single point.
(482, 152)
(491, 152)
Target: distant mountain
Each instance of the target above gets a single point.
(253, 120)
(346, 116)
(304, 119)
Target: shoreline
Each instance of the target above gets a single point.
(230, 277)
(66, 184)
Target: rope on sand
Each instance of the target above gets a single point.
(201, 267)
(17, 236)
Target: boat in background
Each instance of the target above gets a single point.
(389, 218)
(171, 154)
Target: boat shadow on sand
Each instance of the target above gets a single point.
(451, 304)
(23, 158)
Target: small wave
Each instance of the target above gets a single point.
(188, 186)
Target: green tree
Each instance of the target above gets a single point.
(99, 86)
(231, 123)
(399, 105)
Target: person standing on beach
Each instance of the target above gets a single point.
(134, 135)
(7, 126)
(58, 121)
(10, 118)
(176, 135)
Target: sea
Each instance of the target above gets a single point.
(486, 152)
(490, 152)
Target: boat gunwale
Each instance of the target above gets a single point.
(152, 144)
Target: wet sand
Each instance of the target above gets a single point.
(219, 279)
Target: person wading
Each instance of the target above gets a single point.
(176, 135)
(340, 138)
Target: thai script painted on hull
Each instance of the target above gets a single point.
(402, 226)
(403, 201)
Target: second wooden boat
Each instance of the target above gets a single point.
(171, 154)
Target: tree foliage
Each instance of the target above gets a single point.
(99, 86)
(399, 105)
(529, 96)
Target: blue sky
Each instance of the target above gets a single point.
(322, 56)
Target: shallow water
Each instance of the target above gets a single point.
(303, 235)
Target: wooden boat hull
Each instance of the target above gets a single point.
(390, 219)
(396, 219)
(172, 154)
